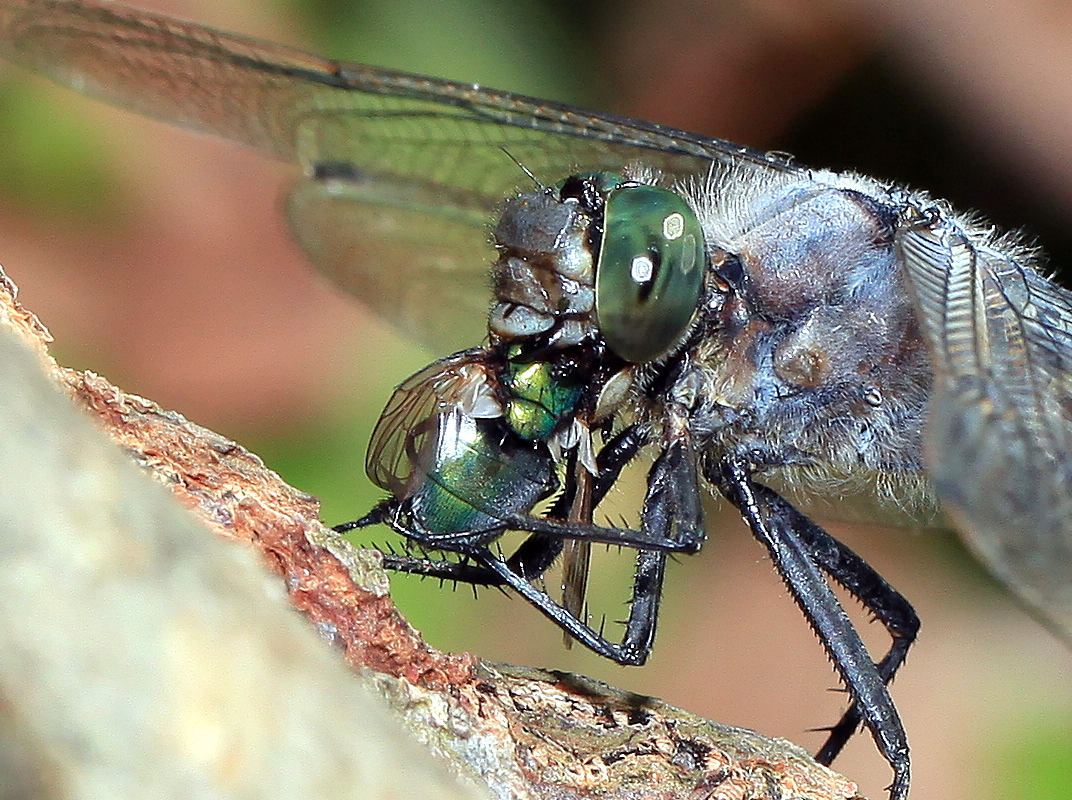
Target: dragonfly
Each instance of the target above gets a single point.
(752, 325)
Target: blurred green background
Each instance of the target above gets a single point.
(162, 260)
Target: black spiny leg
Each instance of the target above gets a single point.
(672, 521)
(643, 611)
(862, 582)
(533, 558)
(672, 518)
(776, 527)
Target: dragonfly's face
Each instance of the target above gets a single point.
(604, 261)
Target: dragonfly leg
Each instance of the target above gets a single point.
(800, 568)
(673, 507)
(529, 561)
(460, 571)
(577, 503)
(861, 580)
(672, 519)
(533, 558)
(643, 610)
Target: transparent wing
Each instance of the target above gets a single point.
(462, 381)
(422, 269)
(422, 151)
(999, 439)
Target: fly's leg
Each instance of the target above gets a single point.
(800, 568)
(377, 516)
(612, 459)
(862, 582)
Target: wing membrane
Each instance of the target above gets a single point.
(303, 108)
(461, 382)
(445, 149)
(375, 245)
(999, 437)
(298, 106)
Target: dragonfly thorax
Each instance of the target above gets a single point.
(812, 354)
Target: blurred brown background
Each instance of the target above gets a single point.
(162, 260)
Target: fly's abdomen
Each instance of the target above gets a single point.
(477, 475)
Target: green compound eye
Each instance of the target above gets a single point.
(650, 271)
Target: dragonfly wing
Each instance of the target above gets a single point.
(304, 108)
(438, 144)
(999, 437)
(373, 241)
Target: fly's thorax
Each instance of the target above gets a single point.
(540, 395)
(556, 397)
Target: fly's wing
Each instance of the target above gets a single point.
(462, 381)
(426, 154)
(999, 438)
(577, 553)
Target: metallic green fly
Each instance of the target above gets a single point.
(746, 322)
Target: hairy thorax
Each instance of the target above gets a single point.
(811, 362)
